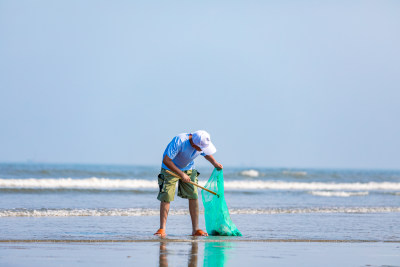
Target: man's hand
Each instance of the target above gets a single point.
(185, 178)
(218, 166)
(170, 164)
(212, 160)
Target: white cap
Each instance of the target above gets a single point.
(202, 139)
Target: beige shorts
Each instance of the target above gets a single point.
(167, 185)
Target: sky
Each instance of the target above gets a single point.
(294, 84)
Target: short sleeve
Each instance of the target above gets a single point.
(174, 147)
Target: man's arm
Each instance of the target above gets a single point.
(171, 165)
(212, 160)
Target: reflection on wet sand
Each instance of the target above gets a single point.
(193, 255)
(192, 261)
(215, 253)
(163, 260)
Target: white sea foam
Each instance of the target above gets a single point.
(316, 210)
(155, 212)
(121, 184)
(82, 212)
(311, 186)
(68, 183)
(338, 193)
(250, 173)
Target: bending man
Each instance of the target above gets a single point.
(178, 157)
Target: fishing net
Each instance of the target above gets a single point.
(216, 213)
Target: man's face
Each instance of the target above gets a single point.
(196, 147)
(193, 145)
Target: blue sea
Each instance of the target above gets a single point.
(118, 202)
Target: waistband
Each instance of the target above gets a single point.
(186, 171)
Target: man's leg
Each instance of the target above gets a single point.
(194, 214)
(164, 209)
(167, 184)
(189, 191)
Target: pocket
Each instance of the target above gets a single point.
(161, 179)
(196, 179)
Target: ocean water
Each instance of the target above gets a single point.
(109, 202)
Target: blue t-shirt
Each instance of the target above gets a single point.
(181, 152)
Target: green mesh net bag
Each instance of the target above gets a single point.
(216, 213)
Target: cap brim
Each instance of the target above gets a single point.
(209, 150)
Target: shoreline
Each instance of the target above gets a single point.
(197, 241)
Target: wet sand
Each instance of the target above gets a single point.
(197, 240)
(199, 252)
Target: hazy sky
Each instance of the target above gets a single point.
(276, 83)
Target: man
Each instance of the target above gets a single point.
(178, 157)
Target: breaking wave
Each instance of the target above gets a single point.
(69, 183)
(250, 173)
(156, 212)
(278, 185)
(141, 184)
(337, 193)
